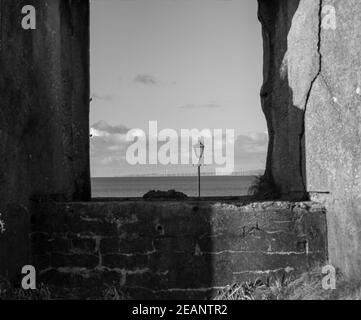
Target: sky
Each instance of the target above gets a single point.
(183, 63)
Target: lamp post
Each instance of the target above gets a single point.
(199, 151)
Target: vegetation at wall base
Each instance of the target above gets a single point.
(307, 286)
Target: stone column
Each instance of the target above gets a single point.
(311, 98)
(44, 114)
(290, 35)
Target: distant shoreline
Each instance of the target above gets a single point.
(182, 175)
(137, 186)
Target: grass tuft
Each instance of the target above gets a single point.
(113, 293)
(8, 292)
(307, 286)
(43, 292)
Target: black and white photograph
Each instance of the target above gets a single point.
(200, 151)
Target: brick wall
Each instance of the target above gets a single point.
(172, 249)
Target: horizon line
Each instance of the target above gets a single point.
(205, 174)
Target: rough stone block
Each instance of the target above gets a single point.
(83, 244)
(126, 262)
(176, 250)
(69, 260)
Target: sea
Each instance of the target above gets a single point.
(211, 186)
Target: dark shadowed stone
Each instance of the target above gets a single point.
(290, 65)
(59, 244)
(147, 280)
(179, 243)
(14, 240)
(196, 294)
(40, 243)
(84, 280)
(72, 260)
(44, 116)
(83, 244)
(128, 262)
(41, 262)
(126, 246)
(44, 243)
(109, 245)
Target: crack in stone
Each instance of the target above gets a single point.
(303, 131)
(260, 272)
(201, 289)
(270, 253)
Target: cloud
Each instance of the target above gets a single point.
(146, 79)
(251, 151)
(106, 97)
(108, 148)
(105, 129)
(202, 106)
(252, 143)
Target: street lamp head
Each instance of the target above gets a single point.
(199, 151)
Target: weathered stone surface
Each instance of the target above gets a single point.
(193, 253)
(311, 97)
(72, 260)
(333, 135)
(86, 284)
(43, 242)
(44, 130)
(141, 245)
(14, 241)
(290, 35)
(83, 244)
(42, 261)
(126, 262)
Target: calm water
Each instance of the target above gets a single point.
(138, 186)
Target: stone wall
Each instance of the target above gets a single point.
(333, 134)
(173, 249)
(311, 98)
(290, 38)
(44, 126)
